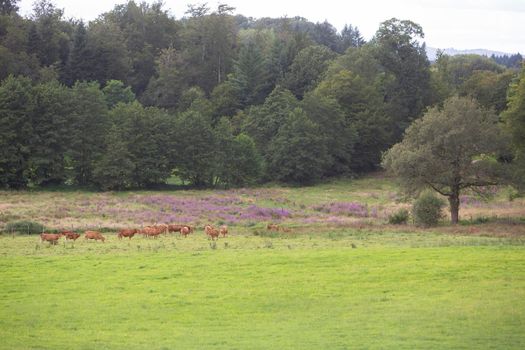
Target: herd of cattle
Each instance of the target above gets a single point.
(148, 231)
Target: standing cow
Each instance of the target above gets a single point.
(70, 235)
(97, 236)
(127, 233)
(52, 238)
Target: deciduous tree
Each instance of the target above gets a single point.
(449, 149)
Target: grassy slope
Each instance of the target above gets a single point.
(382, 297)
(402, 288)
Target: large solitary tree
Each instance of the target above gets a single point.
(449, 149)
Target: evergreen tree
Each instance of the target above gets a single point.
(79, 66)
(350, 37)
(250, 76)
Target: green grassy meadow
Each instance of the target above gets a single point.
(365, 286)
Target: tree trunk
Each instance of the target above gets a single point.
(453, 200)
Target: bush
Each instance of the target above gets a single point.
(428, 209)
(399, 218)
(28, 227)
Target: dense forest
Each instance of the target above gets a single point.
(219, 99)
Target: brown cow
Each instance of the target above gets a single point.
(223, 230)
(52, 238)
(208, 229)
(127, 233)
(162, 228)
(174, 228)
(185, 230)
(94, 235)
(70, 235)
(212, 232)
(151, 231)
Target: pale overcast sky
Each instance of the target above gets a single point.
(462, 24)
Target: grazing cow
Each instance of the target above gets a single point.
(208, 229)
(150, 231)
(223, 230)
(127, 233)
(52, 238)
(94, 235)
(162, 228)
(212, 232)
(70, 235)
(174, 228)
(185, 230)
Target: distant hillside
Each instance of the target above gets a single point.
(431, 52)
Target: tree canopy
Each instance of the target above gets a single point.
(182, 96)
(450, 149)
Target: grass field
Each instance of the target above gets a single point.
(337, 280)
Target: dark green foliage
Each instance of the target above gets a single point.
(461, 67)
(350, 37)
(165, 89)
(79, 66)
(325, 34)
(245, 165)
(16, 130)
(263, 122)
(196, 148)
(400, 217)
(515, 114)
(227, 86)
(51, 45)
(225, 100)
(250, 76)
(363, 110)
(488, 88)
(307, 69)
(449, 150)
(116, 92)
(400, 53)
(512, 61)
(25, 227)
(428, 209)
(145, 138)
(8, 7)
(105, 54)
(514, 118)
(89, 123)
(209, 39)
(238, 162)
(51, 119)
(339, 134)
(114, 171)
(298, 154)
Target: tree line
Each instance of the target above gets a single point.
(136, 96)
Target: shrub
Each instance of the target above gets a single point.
(399, 218)
(28, 227)
(428, 209)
